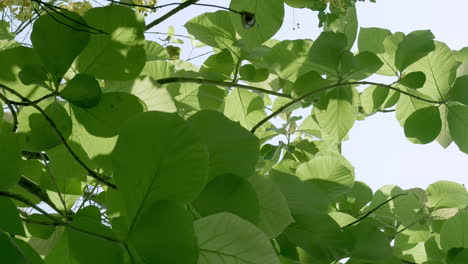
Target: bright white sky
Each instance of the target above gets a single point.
(377, 146)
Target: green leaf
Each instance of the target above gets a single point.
(63, 165)
(320, 236)
(413, 80)
(10, 222)
(366, 236)
(106, 118)
(58, 44)
(390, 44)
(364, 64)
(213, 29)
(90, 247)
(289, 58)
(444, 138)
(38, 132)
(336, 113)
(154, 51)
(268, 14)
(221, 62)
(10, 253)
(249, 73)
(309, 82)
(407, 105)
(355, 199)
(440, 70)
(10, 160)
(457, 121)
(13, 61)
(229, 193)
(154, 96)
(160, 155)
(38, 230)
(275, 215)
(423, 125)
(459, 91)
(413, 47)
(460, 257)
(302, 197)
(245, 107)
(446, 194)
(30, 255)
(327, 50)
(83, 91)
(373, 97)
(372, 39)
(328, 173)
(347, 24)
(119, 54)
(225, 238)
(5, 31)
(34, 74)
(454, 230)
(232, 149)
(164, 233)
(60, 253)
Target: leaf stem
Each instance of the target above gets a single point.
(218, 83)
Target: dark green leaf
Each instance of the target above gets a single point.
(414, 46)
(214, 29)
(423, 125)
(83, 91)
(326, 51)
(10, 160)
(58, 44)
(10, 221)
(413, 80)
(366, 236)
(457, 121)
(459, 91)
(34, 74)
(454, 230)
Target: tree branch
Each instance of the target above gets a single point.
(373, 210)
(170, 13)
(218, 83)
(92, 173)
(282, 108)
(36, 190)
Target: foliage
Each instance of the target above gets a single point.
(115, 150)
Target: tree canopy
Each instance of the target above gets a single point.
(115, 149)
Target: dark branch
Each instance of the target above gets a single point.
(171, 13)
(218, 83)
(282, 108)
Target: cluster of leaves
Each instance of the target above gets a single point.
(115, 152)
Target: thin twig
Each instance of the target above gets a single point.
(285, 106)
(12, 111)
(170, 13)
(172, 4)
(373, 210)
(92, 173)
(36, 190)
(218, 83)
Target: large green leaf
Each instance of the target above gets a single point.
(245, 107)
(90, 247)
(268, 20)
(458, 124)
(346, 24)
(366, 236)
(232, 148)
(454, 232)
(10, 160)
(327, 50)
(120, 53)
(10, 253)
(327, 172)
(106, 118)
(39, 134)
(443, 194)
(459, 91)
(83, 91)
(275, 215)
(423, 125)
(309, 82)
(372, 39)
(373, 97)
(289, 58)
(439, 66)
(213, 29)
(227, 238)
(320, 236)
(164, 233)
(413, 47)
(58, 40)
(10, 222)
(356, 198)
(162, 157)
(336, 113)
(387, 56)
(229, 193)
